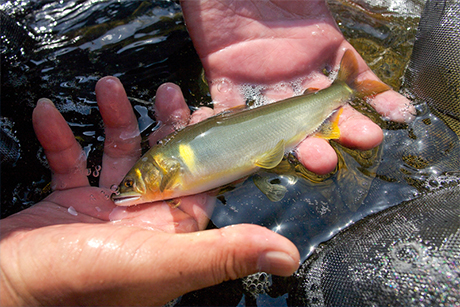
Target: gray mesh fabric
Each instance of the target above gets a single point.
(407, 255)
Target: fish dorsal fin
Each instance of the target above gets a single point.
(330, 128)
(273, 157)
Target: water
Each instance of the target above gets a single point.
(69, 45)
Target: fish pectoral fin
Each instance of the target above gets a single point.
(170, 170)
(173, 203)
(273, 157)
(329, 130)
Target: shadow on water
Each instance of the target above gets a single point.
(68, 45)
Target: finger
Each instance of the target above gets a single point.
(65, 156)
(317, 155)
(170, 110)
(122, 137)
(394, 106)
(358, 131)
(185, 214)
(200, 115)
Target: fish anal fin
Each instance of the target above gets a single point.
(273, 157)
(329, 130)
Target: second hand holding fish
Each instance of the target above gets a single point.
(235, 144)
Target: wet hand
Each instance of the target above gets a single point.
(76, 247)
(276, 44)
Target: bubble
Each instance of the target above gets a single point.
(282, 87)
(253, 94)
(436, 182)
(114, 189)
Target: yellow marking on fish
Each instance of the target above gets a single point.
(138, 172)
(188, 156)
(140, 187)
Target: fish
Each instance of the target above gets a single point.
(235, 144)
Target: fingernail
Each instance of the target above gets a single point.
(277, 263)
(45, 100)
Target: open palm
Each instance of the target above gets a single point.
(271, 42)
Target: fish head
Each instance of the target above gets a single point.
(140, 185)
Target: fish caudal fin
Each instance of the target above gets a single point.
(348, 72)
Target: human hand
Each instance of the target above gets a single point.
(75, 247)
(271, 43)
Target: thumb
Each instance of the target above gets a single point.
(206, 258)
(167, 266)
(234, 252)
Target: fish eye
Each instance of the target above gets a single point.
(129, 183)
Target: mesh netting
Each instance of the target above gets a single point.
(404, 256)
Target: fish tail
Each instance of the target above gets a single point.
(348, 73)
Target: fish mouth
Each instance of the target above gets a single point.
(125, 200)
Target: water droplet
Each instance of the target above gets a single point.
(114, 188)
(96, 173)
(224, 86)
(106, 196)
(72, 211)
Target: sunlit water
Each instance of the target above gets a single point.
(71, 44)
